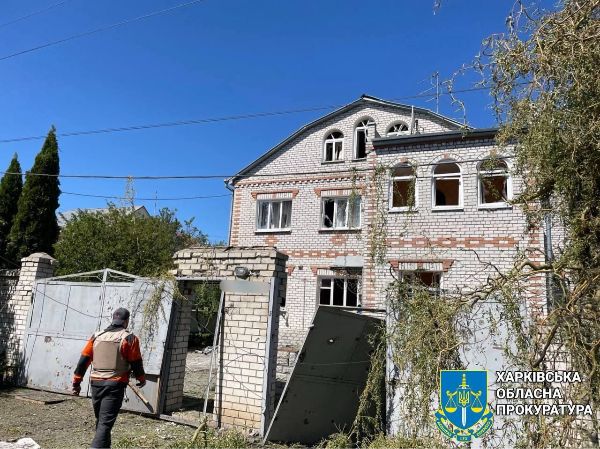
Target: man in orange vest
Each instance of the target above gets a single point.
(114, 353)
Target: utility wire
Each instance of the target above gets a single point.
(31, 14)
(147, 199)
(201, 121)
(101, 29)
(170, 124)
(223, 176)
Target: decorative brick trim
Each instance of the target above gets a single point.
(255, 194)
(446, 263)
(336, 191)
(298, 180)
(453, 242)
(318, 253)
(315, 269)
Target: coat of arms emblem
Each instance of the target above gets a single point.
(463, 412)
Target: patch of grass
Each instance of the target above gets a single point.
(382, 441)
(125, 443)
(338, 440)
(219, 439)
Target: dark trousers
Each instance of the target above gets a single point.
(107, 398)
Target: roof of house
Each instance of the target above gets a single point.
(445, 136)
(63, 217)
(363, 100)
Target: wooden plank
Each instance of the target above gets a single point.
(39, 400)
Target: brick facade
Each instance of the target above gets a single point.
(457, 242)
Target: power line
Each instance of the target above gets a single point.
(224, 176)
(34, 13)
(170, 124)
(101, 29)
(147, 199)
(207, 120)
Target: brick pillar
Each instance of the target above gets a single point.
(34, 267)
(245, 395)
(370, 210)
(247, 361)
(177, 351)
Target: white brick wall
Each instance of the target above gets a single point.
(468, 238)
(177, 351)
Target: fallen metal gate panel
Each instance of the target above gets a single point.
(321, 396)
(63, 316)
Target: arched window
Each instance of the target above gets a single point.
(332, 148)
(403, 191)
(494, 183)
(447, 185)
(361, 132)
(397, 129)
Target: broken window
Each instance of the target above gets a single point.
(333, 147)
(397, 129)
(340, 291)
(431, 280)
(494, 182)
(341, 213)
(447, 185)
(361, 133)
(403, 188)
(274, 215)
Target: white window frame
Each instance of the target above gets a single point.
(403, 178)
(397, 133)
(435, 177)
(490, 173)
(363, 125)
(333, 279)
(270, 211)
(336, 199)
(333, 141)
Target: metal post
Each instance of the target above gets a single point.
(103, 297)
(214, 351)
(264, 419)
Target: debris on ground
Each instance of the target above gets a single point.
(23, 443)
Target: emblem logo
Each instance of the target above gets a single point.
(464, 413)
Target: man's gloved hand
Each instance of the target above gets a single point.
(76, 388)
(140, 383)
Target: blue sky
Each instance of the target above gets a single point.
(212, 59)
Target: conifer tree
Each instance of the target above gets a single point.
(35, 228)
(10, 190)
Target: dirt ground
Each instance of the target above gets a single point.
(197, 366)
(70, 424)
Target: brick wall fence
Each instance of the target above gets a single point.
(15, 299)
(245, 395)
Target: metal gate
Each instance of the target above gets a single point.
(67, 310)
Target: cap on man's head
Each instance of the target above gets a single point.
(120, 316)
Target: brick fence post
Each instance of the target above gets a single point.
(34, 267)
(245, 391)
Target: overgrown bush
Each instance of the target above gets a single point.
(118, 239)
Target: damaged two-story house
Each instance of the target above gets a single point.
(436, 193)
